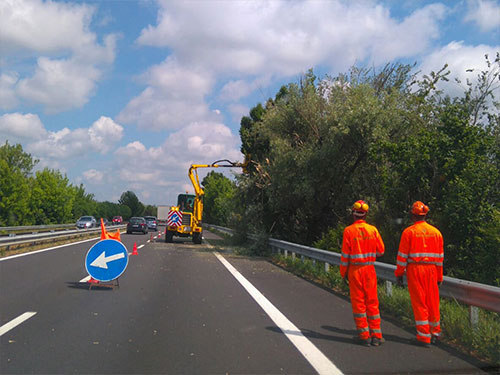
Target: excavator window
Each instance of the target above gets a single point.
(185, 202)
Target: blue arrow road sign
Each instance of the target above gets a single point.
(106, 260)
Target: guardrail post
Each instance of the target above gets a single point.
(327, 267)
(293, 256)
(286, 253)
(388, 288)
(474, 316)
(302, 258)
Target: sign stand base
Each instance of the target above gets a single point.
(110, 284)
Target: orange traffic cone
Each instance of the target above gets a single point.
(134, 251)
(151, 238)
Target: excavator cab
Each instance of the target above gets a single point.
(185, 202)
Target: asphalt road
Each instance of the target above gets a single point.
(179, 310)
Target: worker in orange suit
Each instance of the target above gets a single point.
(361, 245)
(421, 255)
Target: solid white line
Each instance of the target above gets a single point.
(15, 322)
(48, 249)
(140, 246)
(311, 353)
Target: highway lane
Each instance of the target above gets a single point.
(178, 310)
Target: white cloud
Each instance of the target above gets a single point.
(174, 98)
(162, 171)
(69, 59)
(104, 133)
(93, 176)
(79, 143)
(486, 14)
(59, 84)
(237, 89)
(285, 38)
(259, 42)
(460, 58)
(18, 127)
(8, 98)
(238, 111)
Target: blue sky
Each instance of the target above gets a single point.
(125, 95)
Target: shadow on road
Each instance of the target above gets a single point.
(86, 286)
(344, 332)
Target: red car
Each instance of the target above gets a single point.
(117, 220)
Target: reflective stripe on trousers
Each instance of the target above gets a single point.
(424, 294)
(364, 301)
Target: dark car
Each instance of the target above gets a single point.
(104, 221)
(117, 220)
(152, 222)
(137, 224)
(86, 222)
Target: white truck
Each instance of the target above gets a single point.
(162, 214)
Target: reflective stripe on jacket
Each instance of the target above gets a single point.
(420, 243)
(361, 245)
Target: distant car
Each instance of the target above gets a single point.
(152, 222)
(137, 224)
(86, 222)
(104, 220)
(117, 220)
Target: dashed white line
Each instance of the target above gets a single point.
(140, 246)
(15, 322)
(310, 352)
(85, 279)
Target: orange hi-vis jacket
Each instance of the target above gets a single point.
(421, 243)
(361, 245)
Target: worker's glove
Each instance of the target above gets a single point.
(399, 280)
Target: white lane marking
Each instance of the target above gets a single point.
(311, 353)
(15, 322)
(85, 279)
(48, 249)
(140, 246)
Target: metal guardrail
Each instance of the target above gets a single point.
(467, 292)
(36, 228)
(6, 242)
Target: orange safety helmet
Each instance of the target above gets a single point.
(360, 208)
(419, 209)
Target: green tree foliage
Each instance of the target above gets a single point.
(129, 199)
(150, 210)
(15, 179)
(14, 196)
(17, 159)
(47, 197)
(218, 198)
(389, 139)
(52, 198)
(84, 203)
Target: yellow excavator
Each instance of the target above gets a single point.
(185, 219)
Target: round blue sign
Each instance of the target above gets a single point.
(106, 260)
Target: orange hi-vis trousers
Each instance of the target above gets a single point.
(424, 294)
(364, 300)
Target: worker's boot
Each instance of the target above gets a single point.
(364, 342)
(377, 341)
